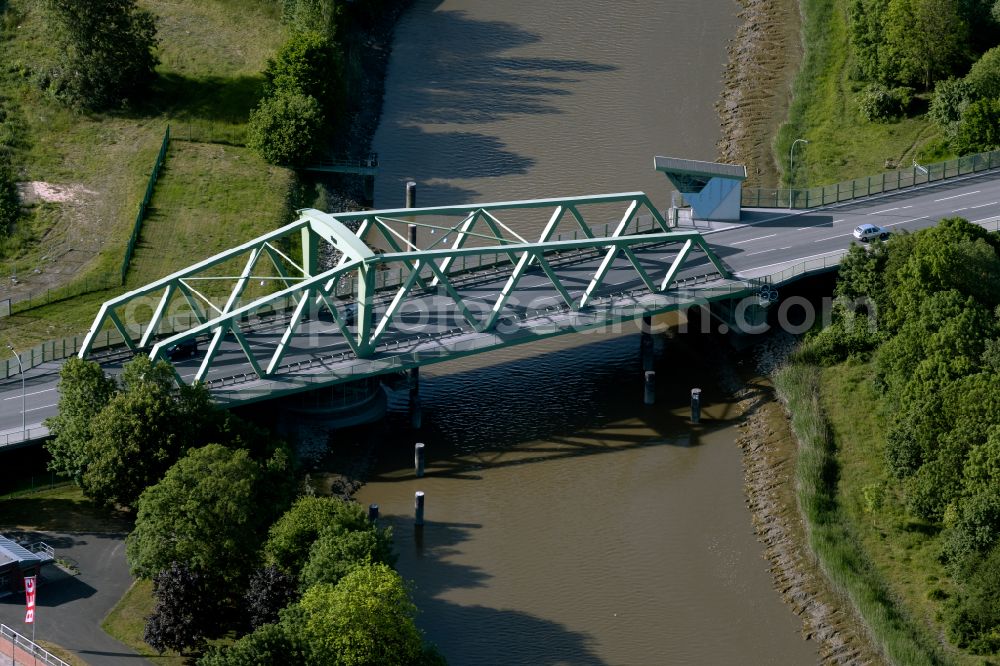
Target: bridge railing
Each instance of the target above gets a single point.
(21, 650)
(887, 181)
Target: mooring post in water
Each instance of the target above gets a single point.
(418, 458)
(411, 194)
(650, 394)
(646, 342)
(416, 414)
(418, 508)
(695, 405)
(373, 512)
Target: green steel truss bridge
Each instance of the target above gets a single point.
(334, 298)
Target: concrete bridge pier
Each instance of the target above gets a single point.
(341, 405)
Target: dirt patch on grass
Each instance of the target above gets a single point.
(763, 60)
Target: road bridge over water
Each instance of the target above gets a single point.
(271, 321)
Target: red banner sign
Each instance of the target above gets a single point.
(29, 593)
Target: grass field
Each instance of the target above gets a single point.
(833, 537)
(60, 508)
(210, 195)
(842, 145)
(127, 621)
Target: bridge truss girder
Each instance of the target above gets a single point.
(421, 270)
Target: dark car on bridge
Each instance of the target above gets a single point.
(183, 349)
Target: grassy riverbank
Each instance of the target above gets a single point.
(823, 478)
(825, 111)
(212, 54)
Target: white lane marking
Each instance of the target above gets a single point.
(830, 238)
(18, 396)
(887, 210)
(773, 249)
(811, 226)
(992, 203)
(35, 409)
(895, 223)
(956, 196)
(750, 240)
(783, 248)
(905, 207)
(840, 220)
(958, 209)
(787, 261)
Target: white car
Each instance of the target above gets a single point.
(869, 232)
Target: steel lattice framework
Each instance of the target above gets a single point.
(380, 269)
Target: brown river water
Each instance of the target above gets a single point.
(567, 523)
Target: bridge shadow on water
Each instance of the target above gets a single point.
(582, 401)
(452, 70)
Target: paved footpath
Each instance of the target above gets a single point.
(70, 608)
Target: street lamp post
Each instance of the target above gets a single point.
(20, 369)
(791, 170)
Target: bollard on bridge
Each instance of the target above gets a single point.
(373, 512)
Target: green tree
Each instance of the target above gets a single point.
(365, 620)
(924, 40)
(955, 254)
(323, 16)
(84, 390)
(105, 51)
(269, 645)
(974, 616)
(291, 537)
(308, 64)
(204, 513)
(951, 97)
(144, 427)
(983, 78)
(337, 553)
(865, 21)
(286, 128)
(979, 129)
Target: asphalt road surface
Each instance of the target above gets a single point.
(763, 243)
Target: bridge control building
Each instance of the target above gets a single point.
(712, 188)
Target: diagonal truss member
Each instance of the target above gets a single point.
(280, 272)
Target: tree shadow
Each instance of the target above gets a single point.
(207, 98)
(466, 75)
(471, 634)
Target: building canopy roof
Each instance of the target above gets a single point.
(12, 551)
(677, 166)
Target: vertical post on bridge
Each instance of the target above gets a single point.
(695, 405)
(415, 415)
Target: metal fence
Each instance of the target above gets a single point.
(17, 647)
(888, 181)
(233, 133)
(141, 215)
